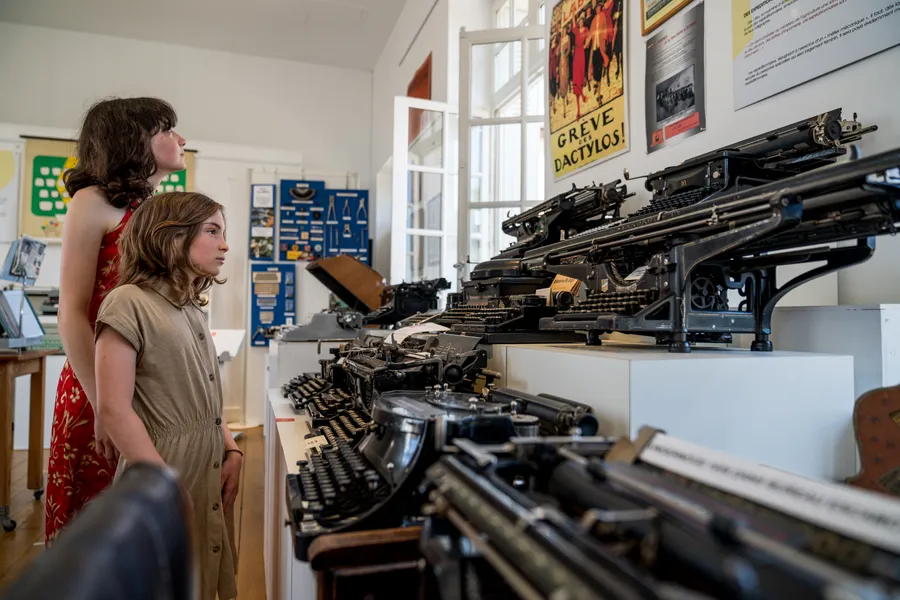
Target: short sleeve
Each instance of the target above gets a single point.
(122, 310)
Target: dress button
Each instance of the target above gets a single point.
(216, 465)
(212, 377)
(218, 420)
(216, 549)
(202, 336)
(216, 506)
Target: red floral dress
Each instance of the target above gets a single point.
(76, 473)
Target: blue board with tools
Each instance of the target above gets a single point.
(273, 299)
(301, 220)
(347, 224)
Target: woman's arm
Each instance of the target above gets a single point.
(86, 224)
(116, 362)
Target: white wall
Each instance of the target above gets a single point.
(863, 87)
(391, 78)
(247, 117)
(321, 112)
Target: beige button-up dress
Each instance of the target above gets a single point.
(178, 396)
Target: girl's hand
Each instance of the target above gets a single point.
(231, 472)
(104, 444)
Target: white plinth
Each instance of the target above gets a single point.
(870, 334)
(787, 410)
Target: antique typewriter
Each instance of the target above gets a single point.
(668, 274)
(341, 488)
(562, 216)
(404, 300)
(499, 305)
(651, 518)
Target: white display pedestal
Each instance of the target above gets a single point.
(787, 410)
(228, 344)
(286, 577)
(286, 360)
(870, 334)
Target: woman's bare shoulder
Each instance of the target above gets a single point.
(90, 203)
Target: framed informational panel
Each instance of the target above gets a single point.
(656, 12)
(44, 197)
(779, 45)
(10, 173)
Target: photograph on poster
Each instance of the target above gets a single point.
(675, 106)
(586, 70)
(656, 12)
(824, 36)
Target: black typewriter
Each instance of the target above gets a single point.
(499, 305)
(404, 300)
(341, 488)
(304, 389)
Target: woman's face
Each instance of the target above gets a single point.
(168, 151)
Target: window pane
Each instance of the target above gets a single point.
(493, 67)
(423, 260)
(423, 206)
(499, 172)
(534, 161)
(542, 14)
(501, 18)
(425, 137)
(536, 95)
(520, 14)
(486, 237)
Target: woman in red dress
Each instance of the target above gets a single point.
(579, 67)
(126, 147)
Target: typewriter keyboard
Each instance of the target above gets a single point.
(619, 303)
(338, 483)
(673, 202)
(303, 389)
(349, 427)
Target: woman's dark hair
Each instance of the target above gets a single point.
(155, 246)
(114, 150)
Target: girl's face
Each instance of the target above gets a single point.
(168, 150)
(208, 249)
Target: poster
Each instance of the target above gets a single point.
(10, 165)
(656, 12)
(301, 219)
(675, 93)
(44, 196)
(262, 222)
(780, 44)
(586, 73)
(273, 299)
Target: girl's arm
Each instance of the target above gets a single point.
(116, 362)
(86, 224)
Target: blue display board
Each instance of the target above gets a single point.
(262, 222)
(273, 298)
(347, 224)
(301, 226)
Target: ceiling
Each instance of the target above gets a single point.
(340, 33)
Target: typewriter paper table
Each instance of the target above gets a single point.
(788, 410)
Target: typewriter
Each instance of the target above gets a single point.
(341, 488)
(652, 518)
(668, 274)
(404, 300)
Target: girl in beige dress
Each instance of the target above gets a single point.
(158, 386)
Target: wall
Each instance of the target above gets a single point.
(319, 111)
(863, 87)
(391, 77)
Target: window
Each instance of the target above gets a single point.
(503, 126)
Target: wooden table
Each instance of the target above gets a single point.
(12, 366)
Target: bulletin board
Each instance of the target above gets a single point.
(262, 222)
(302, 212)
(273, 298)
(348, 233)
(44, 197)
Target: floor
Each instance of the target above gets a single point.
(20, 547)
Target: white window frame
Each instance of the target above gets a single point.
(526, 75)
(400, 176)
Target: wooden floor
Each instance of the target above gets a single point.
(20, 547)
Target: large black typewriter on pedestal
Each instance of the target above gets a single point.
(724, 222)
